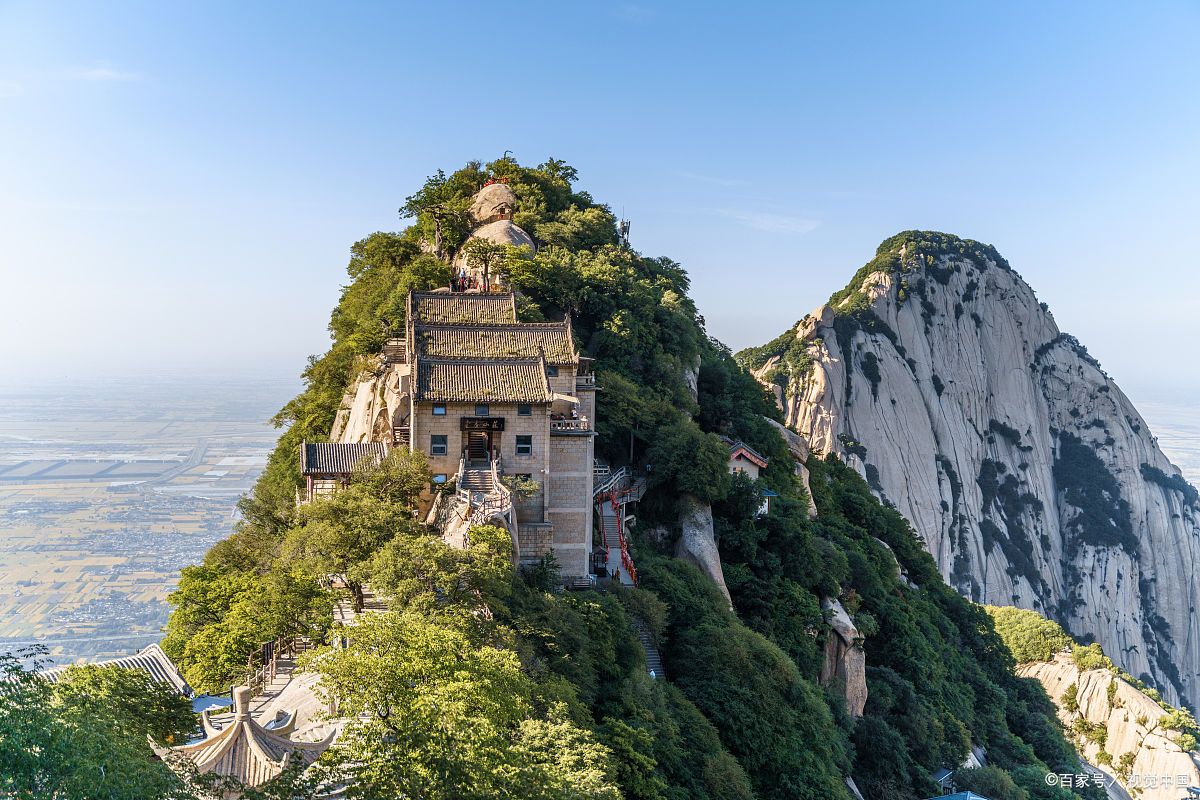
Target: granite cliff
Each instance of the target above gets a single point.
(1117, 726)
(1028, 474)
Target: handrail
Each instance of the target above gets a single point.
(613, 479)
(626, 559)
(464, 494)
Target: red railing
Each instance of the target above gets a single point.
(626, 559)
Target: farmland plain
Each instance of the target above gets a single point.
(108, 489)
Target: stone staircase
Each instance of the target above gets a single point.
(608, 524)
(318, 731)
(476, 480)
(395, 351)
(654, 663)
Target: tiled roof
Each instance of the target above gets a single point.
(151, 660)
(522, 340)
(471, 381)
(454, 308)
(337, 458)
(246, 751)
(739, 447)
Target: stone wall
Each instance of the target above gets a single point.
(569, 500)
(425, 425)
(535, 539)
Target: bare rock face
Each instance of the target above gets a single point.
(1029, 475)
(373, 404)
(698, 544)
(492, 202)
(1130, 719)
(691, 376)
(800, 452)
(845, 662)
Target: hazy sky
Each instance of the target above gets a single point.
(180, 183)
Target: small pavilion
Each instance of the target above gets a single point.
(245, 751)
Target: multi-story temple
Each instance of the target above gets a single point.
(496, 405)
(492, 398)
(504, 410)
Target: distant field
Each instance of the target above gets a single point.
(43, 471)
(107, 492)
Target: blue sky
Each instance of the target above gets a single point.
(180, 183)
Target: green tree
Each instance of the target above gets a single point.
(991, 782)
(440, 207)
(84, 739)
(422, 570)
(448, 717)
(149, 707)
(339, 534)
(1027, 634)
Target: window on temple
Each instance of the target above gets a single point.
(483, 410)
(438, 445)
(525, 445)
(439, 478)
(524, 410)
(552, 371)
(439, 409)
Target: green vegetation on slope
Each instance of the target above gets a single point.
(85, 736)
(557, 686)
(1031, 637)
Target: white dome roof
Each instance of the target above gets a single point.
(503, 231)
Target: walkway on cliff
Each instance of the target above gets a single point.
(611, 497)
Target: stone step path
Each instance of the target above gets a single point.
(476, 480)
(654, 663)
(612, 541)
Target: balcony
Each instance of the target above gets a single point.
(585, 381)
(570, 425)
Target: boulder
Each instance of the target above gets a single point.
(492, 202)
(697, 542)
(800, 452)
(845, 662)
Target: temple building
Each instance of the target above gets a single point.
(492, 400)
(504, 410)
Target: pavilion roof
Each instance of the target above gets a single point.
(246, 751)
(739, 448)
(338, 458)
(151, 660)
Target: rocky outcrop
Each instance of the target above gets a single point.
(1029, 475)
(374, 402)
(1125, 720)
(845, 662)
(697, 542)
(800, 452)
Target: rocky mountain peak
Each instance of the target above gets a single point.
(1029, 475)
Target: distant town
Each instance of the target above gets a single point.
(106, 491)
